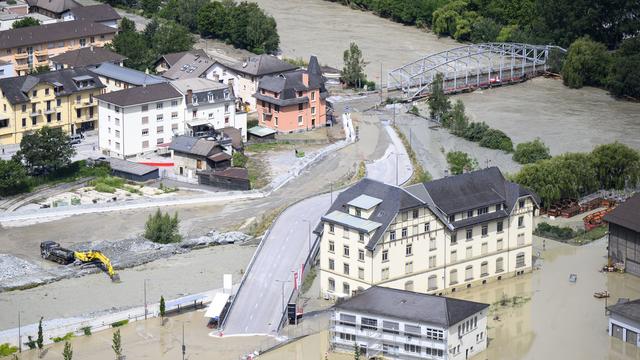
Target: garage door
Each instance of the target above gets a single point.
(616, 331)
(632, 337)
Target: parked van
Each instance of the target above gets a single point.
(75, 139)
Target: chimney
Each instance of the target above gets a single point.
(189, 96)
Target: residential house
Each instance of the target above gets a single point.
(434, 237)
(399, 324)
(209, 105)
(19, 7)
(624, 321)
(192, 154)
(52, 8)
(7, 19)
(244, 76)
(117, 77)
(6, 69)
(192, 65)
(139, 119)
(293, 101)
(86, 56)
(102, 13)
(624, 234)
(31, 47)
(62, 99)
(168, 60)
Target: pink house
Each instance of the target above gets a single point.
(293, 101)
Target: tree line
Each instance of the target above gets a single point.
(244, 25)
(558, 22)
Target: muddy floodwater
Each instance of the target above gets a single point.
(327, 28)
(567, 120)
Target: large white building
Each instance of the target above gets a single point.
(432, 237)
(136, 120)
(399, 324)
(209, 105)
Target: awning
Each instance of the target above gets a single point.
(261, 131)
(216, 306)
(187, 300)
(199, 122)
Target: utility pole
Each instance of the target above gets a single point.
(145, 299)
(331, 193)
(184, 348)
(410, 133)
(397, 157)
(19, 334)
(380, 83)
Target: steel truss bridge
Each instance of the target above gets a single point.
(471, 67)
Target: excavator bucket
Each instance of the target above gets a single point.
(115, 278)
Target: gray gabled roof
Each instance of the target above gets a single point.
(130, 167)
(16, 89)
(141, 95)
(626, 214)
(55, 6)
(629, 309)
(87, 56)
(261, 65)
(95, 13)
(393, 199)
(173, 58)
(412, 306)
(194, 146)
(125, 74)
(189, 66)
(41, 34)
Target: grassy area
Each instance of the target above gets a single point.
(258, 173)
(75, 171)
(267, 146)
(308, 279)
(568, 235)
(589, 236)
(362, 171)
(264, 222)
(419, 173)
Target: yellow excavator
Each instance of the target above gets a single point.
(51, 250)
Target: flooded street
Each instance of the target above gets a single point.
(325, 29)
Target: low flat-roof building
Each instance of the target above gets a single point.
(116, 77)
(624, 234)
(399, 324)
(132, 170)
(87, 56)
(624, 321)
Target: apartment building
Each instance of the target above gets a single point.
(293, 101)
(86, 56)
(400, 324)
(139, 119)
(209, 105)
(31, 47)
(432, 237)
(58, 99)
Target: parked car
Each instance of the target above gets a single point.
(75, 139)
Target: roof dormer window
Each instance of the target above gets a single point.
(210, 97)
(194, 100)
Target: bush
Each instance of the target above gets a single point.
(460, 162)
(13, 178)
(587, 63)
(531, 152)
(86, 330)
(104, 188)
(475, 131)
(6, 349)
(66, 337)
(120, 323)
(162, 229)
(239, 159)
(554, 232)
(496, 139)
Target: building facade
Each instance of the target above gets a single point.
(398, 324)
(434, 237)
(293, 101)
(137, 120)
(192, 155)
(624, 321)
(57, 9)
(209, 105)
(31, 47)
(624, 235)
(64, 99)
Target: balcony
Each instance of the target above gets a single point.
(85, 104)
(50, 110)
(23, 55)
(22, 67)
(36, 112)
(44, 52)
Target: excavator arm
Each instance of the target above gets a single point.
(89, 256)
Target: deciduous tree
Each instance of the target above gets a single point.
(353, 70)
(25, 22)
(45, 150)
(438, 102)
(530, 152)
(13, 178)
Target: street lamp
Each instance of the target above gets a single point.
(282, 282)
(145, 298)
(19, 333)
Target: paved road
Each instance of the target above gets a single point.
(259, 305)
(87, 148)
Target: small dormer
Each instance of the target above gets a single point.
(363, 206)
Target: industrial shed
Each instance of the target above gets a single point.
(133, 171)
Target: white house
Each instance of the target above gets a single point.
(624, 321)
(6, 69)
(209, 105)
(139, 119)
(433, 237)
(399, 324)
(101, 13)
